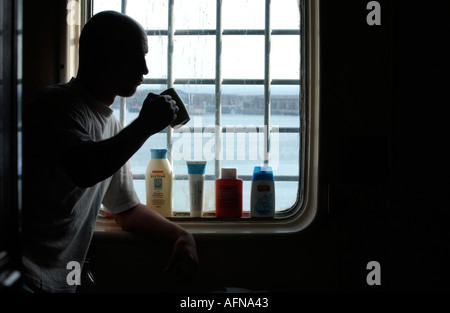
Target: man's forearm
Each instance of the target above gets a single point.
(144, 221)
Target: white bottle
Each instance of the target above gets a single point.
(263, 192)
(158, 182)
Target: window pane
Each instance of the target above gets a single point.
(243, 57)
(157, 57)
(104, 5)
(194, 57)
(245, 100)
(245, 149)
(285, 105)
(285, 14)
(243, 14)
(284, 153)
(285, 195)
(200, 100)
(151, 14)
(195, 14)
(285, 57)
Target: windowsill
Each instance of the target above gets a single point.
(210, 226)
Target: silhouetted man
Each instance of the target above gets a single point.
(76, 154)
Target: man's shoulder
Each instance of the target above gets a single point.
(55, 91)
(56, 98)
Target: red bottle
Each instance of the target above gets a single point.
(229, 194)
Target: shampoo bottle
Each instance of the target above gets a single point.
(229, 194)
(158, 182)
(262, 202)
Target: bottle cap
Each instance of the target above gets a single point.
(196, 167)
(262, 173)
(229, 173)
(159, 153)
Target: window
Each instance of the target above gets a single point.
(238, 67)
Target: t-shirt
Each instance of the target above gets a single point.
(58, 217)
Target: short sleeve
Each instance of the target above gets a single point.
(120, 195)
(54, 124)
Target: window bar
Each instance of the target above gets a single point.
(226, 81)
(87, 10)
(123, 100)
(218, 85)
(203, 32)
(170, 79)
(267, 83)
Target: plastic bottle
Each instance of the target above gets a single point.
(196, 177)
(229, 194)
(158, 182)
(262, 203)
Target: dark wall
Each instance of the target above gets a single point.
(384, 142)
(44, 24)
(420, 154)
(10, 83)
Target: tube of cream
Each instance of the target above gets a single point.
(196, 175)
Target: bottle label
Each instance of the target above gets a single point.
(157, 177)
(229, 197)
(228, 193)
(264, 205)
(157, 195)
(263, 199)
(263, 188)
(158, 184)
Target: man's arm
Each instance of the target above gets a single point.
(144, 221)
(92, 162)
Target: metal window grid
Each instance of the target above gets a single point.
(267, 82)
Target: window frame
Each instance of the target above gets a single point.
(303, 212)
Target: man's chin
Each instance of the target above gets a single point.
(128, 92)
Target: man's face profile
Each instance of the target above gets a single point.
(127, 67)
(112, 49)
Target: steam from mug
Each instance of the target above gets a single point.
(182, 115)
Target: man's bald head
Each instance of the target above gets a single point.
(112, 52)
(108, 32)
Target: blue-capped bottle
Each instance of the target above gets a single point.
(262, 203)
(158, 182)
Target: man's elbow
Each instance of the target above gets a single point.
(124, 226)
(124, 220)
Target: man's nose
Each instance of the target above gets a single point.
(144, 68)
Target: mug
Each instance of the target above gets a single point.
(182, 115)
